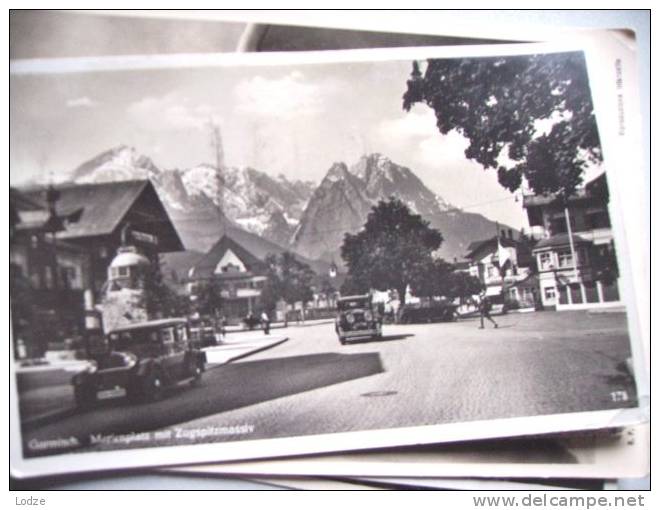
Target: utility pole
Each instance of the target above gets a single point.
(219, 156)
(570, 241)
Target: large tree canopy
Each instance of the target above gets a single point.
(431, 278)
(391, 250)
(288, 279)
(525, 116)
(438, 278)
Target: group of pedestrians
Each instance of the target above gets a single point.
(222, 323)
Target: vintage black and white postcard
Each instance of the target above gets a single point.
(221, 257)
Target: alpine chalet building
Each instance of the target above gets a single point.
(575, 256)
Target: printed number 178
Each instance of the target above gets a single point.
(619, 396)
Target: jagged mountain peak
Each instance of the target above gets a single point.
(375, 167)
(347, 194)
(119, 163)
(337, 172)
(199, 198)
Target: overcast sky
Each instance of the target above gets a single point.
(294, 120)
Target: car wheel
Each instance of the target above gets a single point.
(153, 386)
(85, 396)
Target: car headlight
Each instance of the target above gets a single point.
(350, 318)
(368, 316)
(129, 359)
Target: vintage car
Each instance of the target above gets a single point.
(251, 322)
(438, 312)
(140, 360)
(357, 317)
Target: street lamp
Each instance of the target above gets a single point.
(332, 272)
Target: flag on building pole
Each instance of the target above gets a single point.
(503, 255)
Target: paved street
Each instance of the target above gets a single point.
(534, 364)
(46, 393)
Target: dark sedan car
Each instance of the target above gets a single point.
(140, 361)
(357, 317)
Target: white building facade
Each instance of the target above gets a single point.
(575, 256)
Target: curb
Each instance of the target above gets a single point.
(255, 351)
(47, 418)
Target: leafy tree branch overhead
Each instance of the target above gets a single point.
(526, 116)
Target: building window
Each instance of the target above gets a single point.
(583, 256)
(49, 277)
(576, 293)
(598, 219)
(610, 291)
(34, 240)
(565, 258)
(558, 226)
(591, 292)
(68, 277)
(120, 272)
(549, 293)
(545, 261)
(103, 252)
(491, 272)
(231, 268)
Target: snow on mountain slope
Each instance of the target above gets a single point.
(344, 198)
(244, 196)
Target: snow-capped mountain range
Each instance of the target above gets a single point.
(342, 201)
(199, 198)
(307, 218)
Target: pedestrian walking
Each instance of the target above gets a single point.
(265, 321)
(223, 328)
(484, 311)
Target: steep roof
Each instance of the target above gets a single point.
(595, 188)
(27, 214)
(102, 206)
(205, 267)
(21, 202)
(251, 249)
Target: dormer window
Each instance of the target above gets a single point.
(230, 263)
(231, 268)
